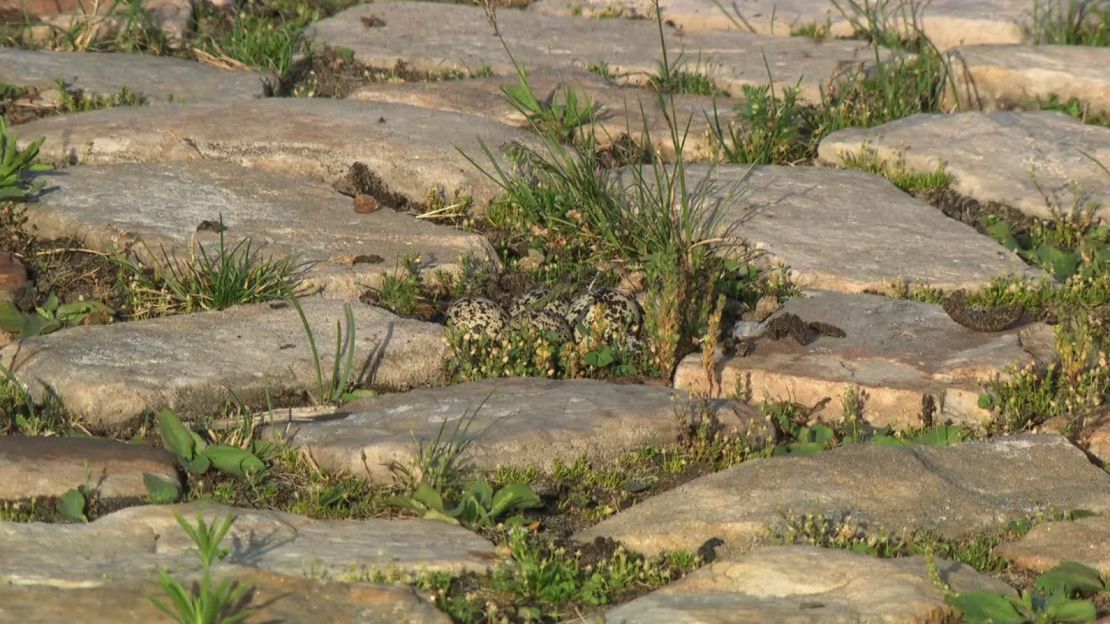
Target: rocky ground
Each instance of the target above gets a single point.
(561, 311)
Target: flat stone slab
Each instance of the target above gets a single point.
(277, 598)
(160, 79)
(108, 375)
(898, 353)
(625, 110)
(136, 542)
(36, 467)
(148, 209)
(1086, 541)
(954, 491)
(412, 151)
(804, 584)
(849, 231)
(516, 422)
(438, 38)
(993, 155)
(946, 23)
(1004, 77)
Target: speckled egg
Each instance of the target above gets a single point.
(544, 321)
(620, 312)
(476, 314)
(539, 299)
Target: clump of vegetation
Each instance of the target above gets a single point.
(1070, 22)
(78, 101)
(1075, 108)
(1060, 595)
(14, 163)
(561, 115)
(210, 280)
(914, 183)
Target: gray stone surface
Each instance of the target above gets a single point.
(953, 491)
(621, 112)
(33, 467)
(517, 422)
(438, 38)
(803, 585)
(993, 77)
(413, 151)
(160, 79)
(109, 375)
(1086, 541)
(151, 209)
(847, 230)
(993, 156)
(896, 352)
(285, 552)
(947, 23)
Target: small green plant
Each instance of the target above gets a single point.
(813, 30)
(479, 506)
(940, 435)
(676, 79)
(14, 162)
(402, 292)
(51, 316)
(1059, 597)
(914, 183)
(1073, 242)
(340, 387)
(561, 114)
(207, 602)
(213, 280)
(440, 463)
(1074, 107)
(198, 456)
(768, 129)
(1070, 22)
(78, 101)
(74, 504)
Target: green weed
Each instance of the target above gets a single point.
(78, 101)
(676, 79)
(914, 183)
(51, 316)
(207, 602)
(123, 26)
(769, 129)
(814, 30)
(561, 114)
(1059, 596)
(340, 386)
(1070, 22)
(14, 163)
(479, 505)
(1075, 108)
(210, 280)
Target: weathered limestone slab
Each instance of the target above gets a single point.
(32, 467)
(898, 353)
(621, 112)
(517, 422)
(1002, 77)
(439, 38)
(953, 491)
(273, 541)
(946, 23)
(412, 151)
(160, 79)
(1086, 541)
(993, 156)
(148, 209)
(848, 230)
(277, 598)
(112, 374)
(804, 584)
(284, 550)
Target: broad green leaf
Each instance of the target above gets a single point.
(233, 460)
(889, 440)
(1073, 611)
(36, 325)
(941, 435)
(11, 319)
(482, 492)
(1070, 578)
(433, 514)
(429, 497)
(1001, 232)
(176, 438)
(512, 497)
(161, 491)
(822, 434)
(407, 502)
(1061, 263)
(199, 465)
(985, 608)
(72, 506)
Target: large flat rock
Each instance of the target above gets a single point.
(954, 491)
(113, 374)
(1086, 541)
(34, 467)
(454, 37)
(276, 598)
(117, 550)
(514, 422)
(160, 79)
(806, 585)
(625, 110)
(849, 231)
(1003, 77)
(898, 353)
(152, 209)
(413, 151)
(946, 23)
(994, 157)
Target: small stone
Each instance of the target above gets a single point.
(365, 204)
